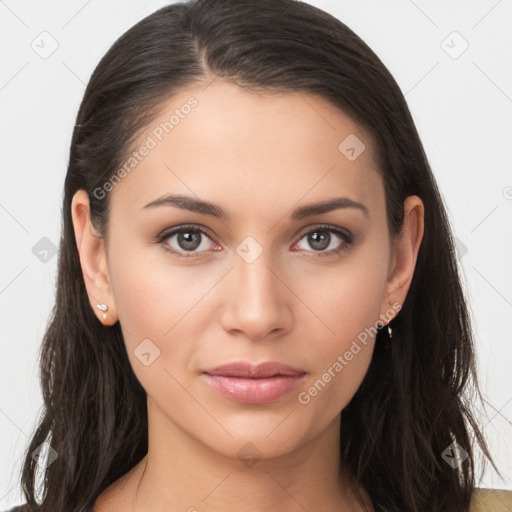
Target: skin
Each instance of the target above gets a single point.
(258, 157)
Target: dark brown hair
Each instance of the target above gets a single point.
(415, 398)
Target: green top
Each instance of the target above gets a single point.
(491, 500)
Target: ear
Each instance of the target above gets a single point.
(93, 260)
(405, 253)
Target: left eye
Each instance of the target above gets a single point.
(321, 238)
(191, 240)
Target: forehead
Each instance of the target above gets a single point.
(234, 147)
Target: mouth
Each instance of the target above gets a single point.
(253, 390)
(247, 383)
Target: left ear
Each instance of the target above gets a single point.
(405, 253)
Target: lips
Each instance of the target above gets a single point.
(248, 370)
(247, 383)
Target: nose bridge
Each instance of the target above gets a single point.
(254, 269)
(256, 296)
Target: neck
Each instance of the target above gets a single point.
(179, 473)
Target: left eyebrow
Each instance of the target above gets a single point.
(207, 208)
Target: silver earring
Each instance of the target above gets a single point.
(104, 308)
(390, 331)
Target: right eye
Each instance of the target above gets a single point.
(188, 239)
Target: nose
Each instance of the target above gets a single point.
(258, 303)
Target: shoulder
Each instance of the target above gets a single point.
(491, 500)
(484, 500)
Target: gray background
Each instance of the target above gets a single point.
(461, 102)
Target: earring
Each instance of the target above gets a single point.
(390, 331)
(104, 308)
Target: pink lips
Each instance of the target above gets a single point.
(246, 383)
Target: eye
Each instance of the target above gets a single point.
(321, 238)
(188, 239)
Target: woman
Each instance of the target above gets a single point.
(258, 302)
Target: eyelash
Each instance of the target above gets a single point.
(345, 236)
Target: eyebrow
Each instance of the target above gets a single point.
(206, 208)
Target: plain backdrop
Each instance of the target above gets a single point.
(453, 62)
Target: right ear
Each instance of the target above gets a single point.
(93, 259)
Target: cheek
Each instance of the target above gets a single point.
(347, 302)
(162, 303)
(345, 298)
(151, 293)
(340, 361)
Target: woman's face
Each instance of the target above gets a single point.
(254, 287)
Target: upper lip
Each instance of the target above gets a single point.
(248, 370)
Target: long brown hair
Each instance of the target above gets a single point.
(415, 398)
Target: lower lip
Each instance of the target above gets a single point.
(253, 391)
